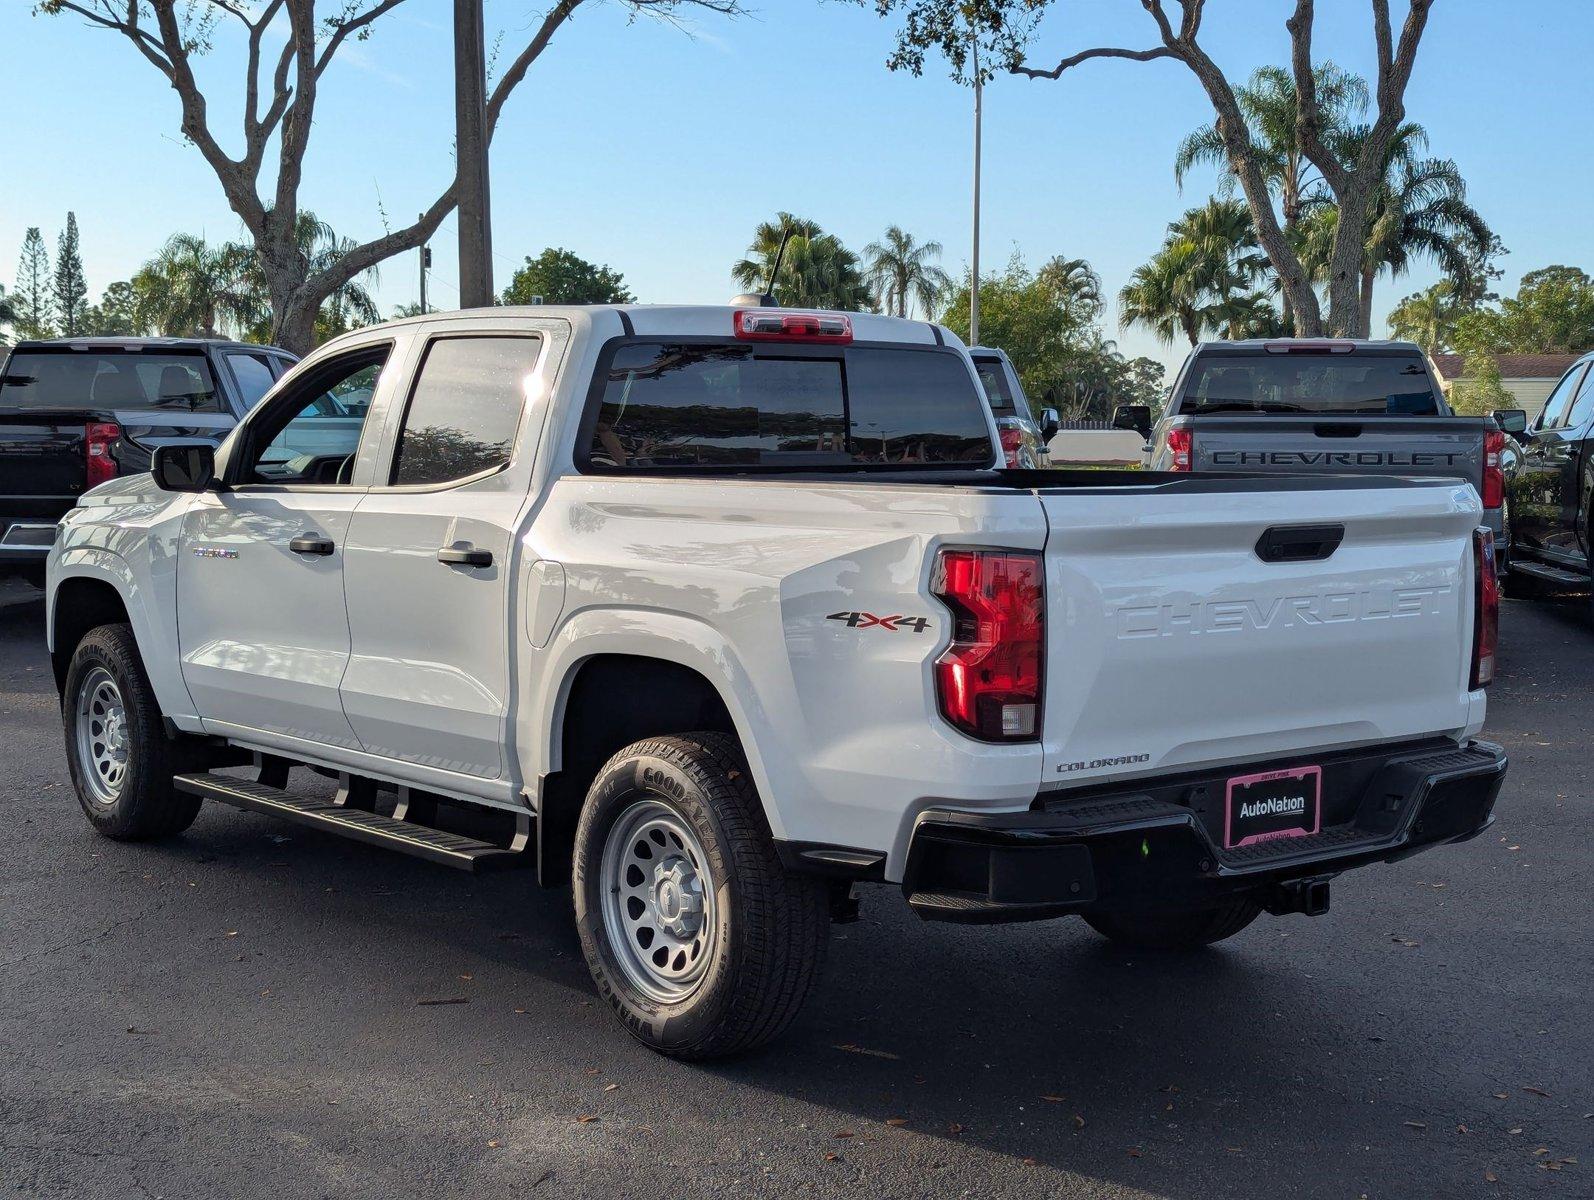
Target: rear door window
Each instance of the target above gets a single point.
(108, 380)
(997, 392)
(733, 406)
(465, 409)
(1360, 383)
(254, 376)
(1554, 413)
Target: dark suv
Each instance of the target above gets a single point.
(1550, 488)
(76, 412)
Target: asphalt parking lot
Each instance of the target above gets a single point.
(244, 1012)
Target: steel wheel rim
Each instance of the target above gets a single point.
(659, 907)
(104, 747)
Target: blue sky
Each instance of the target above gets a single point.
(656, 150)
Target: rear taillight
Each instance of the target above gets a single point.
(1179, 447)
(1493, 469)
(778, 325)
(98, 438)
(1486, 609)
(988, 681)
(1012, 441)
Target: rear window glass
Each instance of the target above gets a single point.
(997, 393)
(680, 405)
(1395, 385)
(42, 379)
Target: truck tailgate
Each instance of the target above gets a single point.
(1172, 642)
(1447, 447)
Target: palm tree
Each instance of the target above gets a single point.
(192, 286)
(1075, 283)
(902, 274)
(1164, 295)
(1268, 103)
(817, 271)
(1419, 211)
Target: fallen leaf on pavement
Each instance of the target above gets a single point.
(493, 1145)
(588, 1119)
(609, 1087)
(832, 1156)
(1054, 1099)
(853, 1048)
(1491, 1177)
(954, 1128)
(1414, 1125)
(843, 1133)
(1079, 1121)
(1533, 1091)
(896, 1121)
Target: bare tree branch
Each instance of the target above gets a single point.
(1073, 60)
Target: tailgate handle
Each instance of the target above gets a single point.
(1299, 543)
(1337, 431)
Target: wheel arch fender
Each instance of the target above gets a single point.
(87, 584)
(682, 642)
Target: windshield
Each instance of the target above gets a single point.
(997, 392)
(734, 406)
(1365, 384)
(110, 379)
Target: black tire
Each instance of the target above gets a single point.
(143, 804)
(765, 939)
(1176, 930)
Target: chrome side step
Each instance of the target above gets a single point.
(344, 820)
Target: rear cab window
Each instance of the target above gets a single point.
(1361, 383)
(704, 405)
(53, 379)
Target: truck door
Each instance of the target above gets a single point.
(431, 557)
(1536, 487)
(263, 627)
(1564, 460)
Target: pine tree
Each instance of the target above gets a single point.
(71, 289)
(32, 298)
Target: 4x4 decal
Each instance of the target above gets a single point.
(863, 620)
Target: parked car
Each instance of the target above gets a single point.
(1025, 441)
(714, 613)
(1303, 405)
(75, 412)
(1550, 488)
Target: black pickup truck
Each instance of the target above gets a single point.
(77, 412)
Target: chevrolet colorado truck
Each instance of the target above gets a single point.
(715, 613)
(1308, 405)
(75, 412)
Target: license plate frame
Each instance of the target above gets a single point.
(1289, 804)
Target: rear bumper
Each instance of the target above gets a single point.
(25, 543)
(1154, 845)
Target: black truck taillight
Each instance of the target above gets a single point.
(1486, 608)
(988, 681)
(1493, 468)
(98, 438)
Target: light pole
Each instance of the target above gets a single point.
(470, 145)
(974, 278)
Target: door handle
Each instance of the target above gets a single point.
(465, 556)
(311, 543)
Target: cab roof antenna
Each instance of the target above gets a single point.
(766, 298)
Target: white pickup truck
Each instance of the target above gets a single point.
(715, 613)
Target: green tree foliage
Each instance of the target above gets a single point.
(1480, 391)
(560, 277)
(33, 299)
(1428, 317)
(1552, 313)
(8, 311)
(903, 273)
(71, 290)
(816, 272)
(118, 314)
(1047, 321)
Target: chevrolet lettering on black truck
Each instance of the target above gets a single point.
(713, 614)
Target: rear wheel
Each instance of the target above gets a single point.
(117, 751)
(695, 933)
(1181, 929)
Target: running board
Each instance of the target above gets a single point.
(1549, 574)
(407, 837)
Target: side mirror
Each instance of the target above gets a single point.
(1050, 423)
(1513, 420)
(184, 468)
(1133, 416)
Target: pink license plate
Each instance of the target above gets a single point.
(1274, 804)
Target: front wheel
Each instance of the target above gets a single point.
(1182, 929)
(117, 751)
(694, 932)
